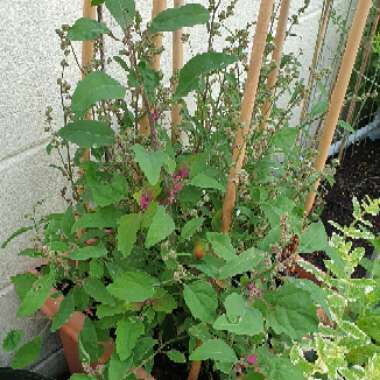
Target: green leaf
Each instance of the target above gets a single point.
(66, 308)
(86, 29)
(30, 252)
(27, 354)
(202, 64)
(133, 286)
(371, 326)
(214, 349)
(127, 334)
(15, 234)
(191, 227)
(91, 252)
(176, 356)
(79, 376)
(221, 245)
(240, 318)
(285, 138)
(129, 225)
(36, 296)
(23, 283)
(173, 19)
(203, 181)
(96, 289)
(163, 301)
(291, 311)
(314, 238)
(117, 369)
(162, 226)
(89, 348)
(319, 108)
(245, 262)
(123, 11)
(106, 217)
(12, 340)
(95, 86)
(346, 126)
(201, 299)
(88, 133)
(150, 163)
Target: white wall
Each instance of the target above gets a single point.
(29, 68)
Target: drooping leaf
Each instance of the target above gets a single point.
(199, 65)
(102, 218)
(86, 253)
(97, 290)
(176, 356)
(191, 227)
(27, 354)
(123, 11)
(314, 238)
(23, 283)
(12, 340)
(221, 245)
(129, 225)
(203, 181)
(36, 295)
(162, 226)
(127, 334)
(15, 234)
(214, 349)
(201, 299)
(95, 86)
(133, 287)
(86, 29)
(175, 18)
(89, 348)
(66, 308)
(88, 133)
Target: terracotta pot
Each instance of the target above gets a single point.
(69, 334)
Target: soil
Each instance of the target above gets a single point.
(358, 175)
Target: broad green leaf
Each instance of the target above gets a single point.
(319, 108)
(36, 295)
(214, 349)
(30, 252)
(95, 86)
(201, 299)
(291, 311)
(88, 133)
(248, 260)
(175, 18)
(162, 226)
(360, 354)
(96, 289)
(117, 369)
(150, 163)
(191, 227)
(27, 354)
(176, 356)
(129, 225)
(133, 286)
(79, 376)
(91, 252)
(240, 318)
(202, 64)
(102, 218)
(127, 334)
(23, 283)
(203, 181)
(285, 138)
(123, 11)
(371, 326)
(200, 331)
(66, 308)
(163, 301)
(314, 238)
(12, 340)
(89, 348)
(346, 126)
(86, 29)
(96, 269)
(221, 245)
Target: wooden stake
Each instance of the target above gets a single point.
(339, 92)
(362, 70)
(249, 99)
(324, 21)
(276, 60)
(158, 6)
(177, 65)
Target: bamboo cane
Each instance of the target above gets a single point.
(157, 7)
(362, 69)
(249, 99)
(339, 92)
(276, 60)
(177, 65)
(324, 21)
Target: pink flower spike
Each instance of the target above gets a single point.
(154, 115)
(145, 201)
(183, 172)
(252, 359)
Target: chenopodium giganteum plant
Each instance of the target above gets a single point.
(139, 249)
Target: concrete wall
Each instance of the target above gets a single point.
(29, 68)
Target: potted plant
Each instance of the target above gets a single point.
(136, 273)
